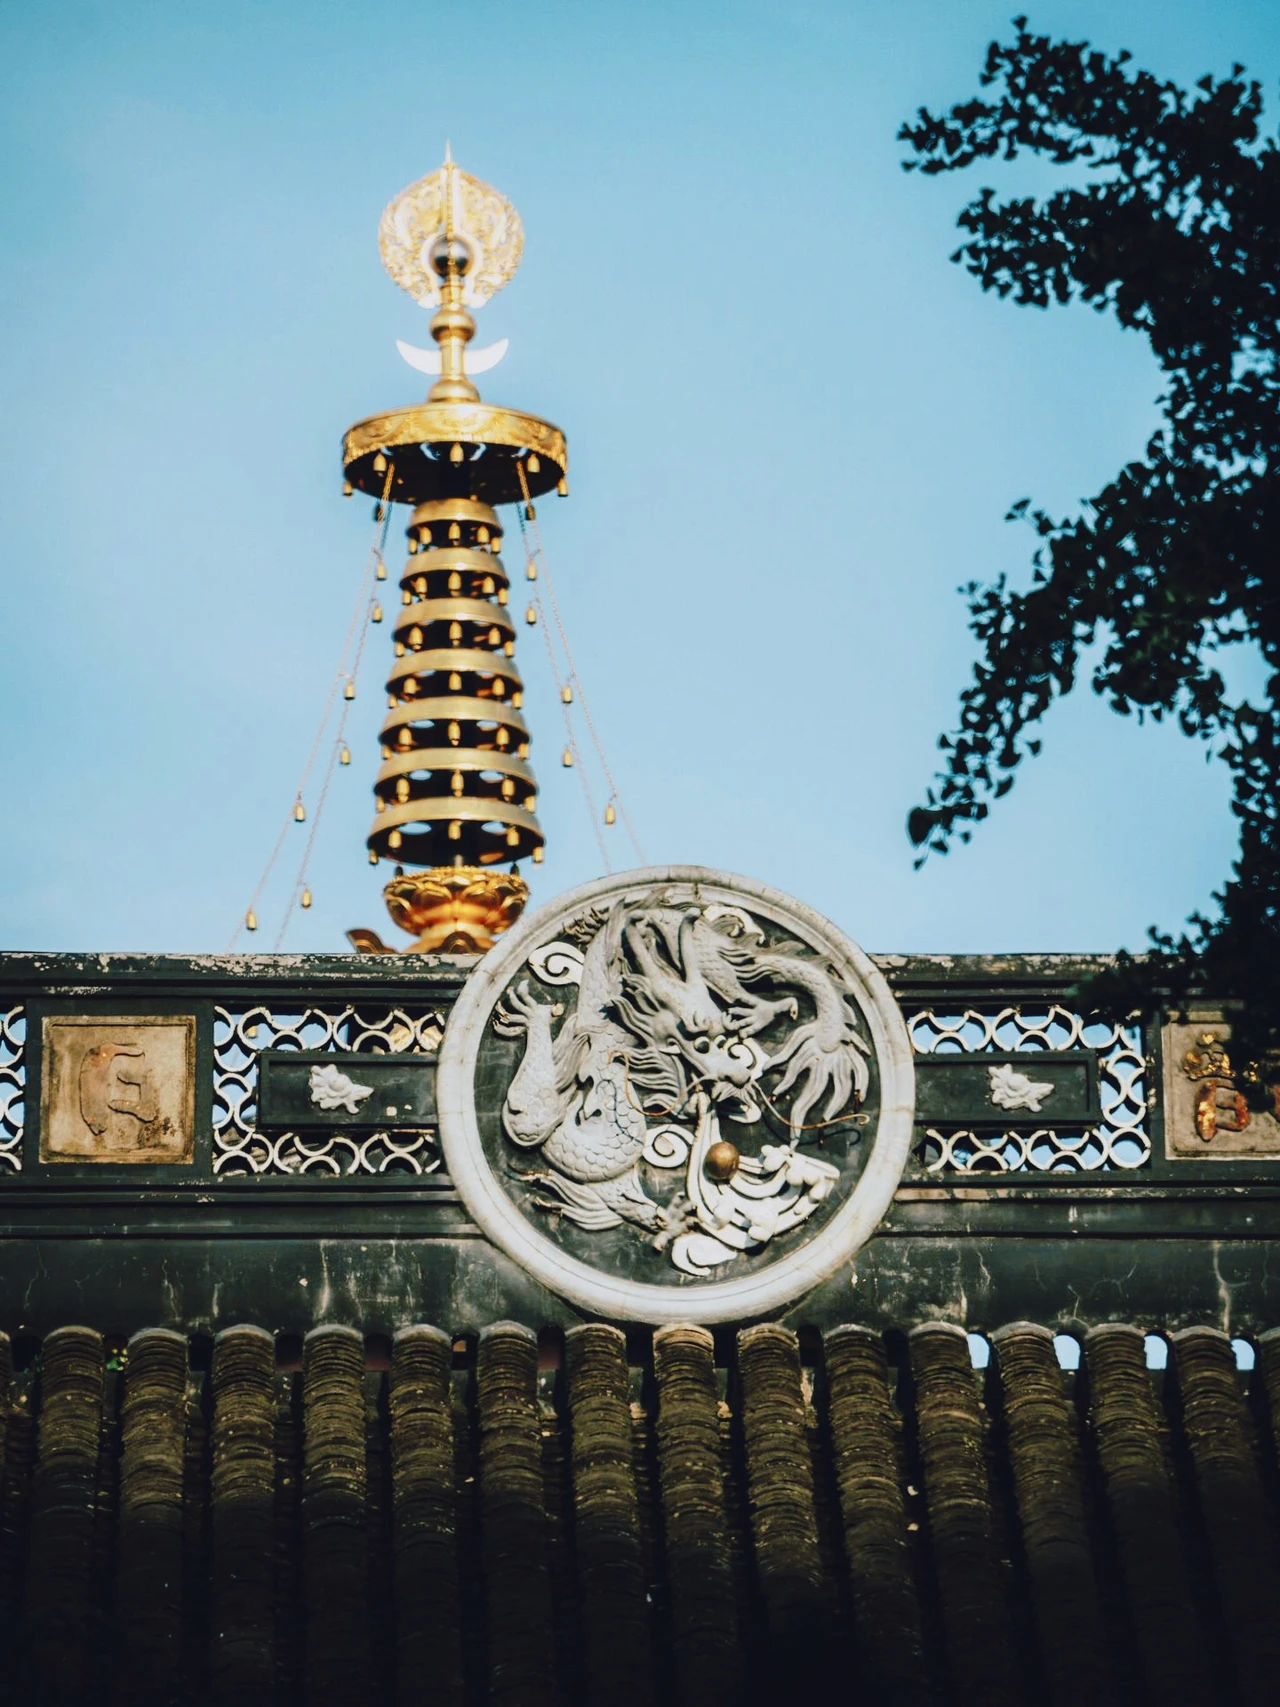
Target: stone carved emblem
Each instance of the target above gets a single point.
(118, 1090)
(1012, 1090)
(331, 1088)
(676, 1094)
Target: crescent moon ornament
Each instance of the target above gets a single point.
(477, 361)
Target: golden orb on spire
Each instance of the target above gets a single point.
(452, 242)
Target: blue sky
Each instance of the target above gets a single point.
(794, 432)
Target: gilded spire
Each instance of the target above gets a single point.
(455, 792)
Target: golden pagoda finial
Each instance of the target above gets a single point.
(452, 242)
(455, 792)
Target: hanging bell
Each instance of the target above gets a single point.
(567, 757)
(532, 569)
(380, 573)
(509, 650)
(373, 858)
(610, 815)
(409, 686)
(455, 683)
(538, 856)
(455, 530)
(394, 839)
(402, 788)
(306, 899)
(513, 837)
(508, 788)
(404, 740)
(531, 616)
(379, 464)
(532, 464)
(375, 615)
(455, 782)
(502, 595)
(456, 453)
(482, 535)
(344, 757)
(503, 737)
(487, 586)
(455, 582)
(455, 634)
(424, 537)
(349, 692)
(299, 811)
(566, 695)
(500, 690)
(495, 636)
(347, 489)
(251, 920)
(455, 832)
(562, 487)
(413, 546)
(415, 636)
(517, 699)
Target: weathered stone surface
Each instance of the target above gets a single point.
(971, 1572)
(866, 1450)
(449, 1523)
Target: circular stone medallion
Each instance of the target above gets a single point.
(676, 1095)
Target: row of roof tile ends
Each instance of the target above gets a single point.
(614, 1521)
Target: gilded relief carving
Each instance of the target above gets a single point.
(1209, 1114)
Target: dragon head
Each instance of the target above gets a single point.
(685, 1040)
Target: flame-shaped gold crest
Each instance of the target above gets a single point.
(451, 200)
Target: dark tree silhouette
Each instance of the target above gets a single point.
(1171, 223)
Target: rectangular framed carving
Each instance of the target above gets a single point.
(118, 1090)
(1209, 1115)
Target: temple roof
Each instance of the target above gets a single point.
(589, 1516)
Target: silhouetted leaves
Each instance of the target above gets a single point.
(1176, 232)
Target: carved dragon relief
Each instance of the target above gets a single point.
(675, 1029)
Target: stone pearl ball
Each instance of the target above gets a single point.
(450, 255)
(722, 1160)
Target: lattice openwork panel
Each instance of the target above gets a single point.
(238, 1035)
(1119, 1140)
(13, 1085)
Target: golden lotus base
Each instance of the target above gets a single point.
(458, 909)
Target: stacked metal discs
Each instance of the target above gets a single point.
(454, 787)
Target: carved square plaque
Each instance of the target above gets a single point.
(119, 1090)
(1207, 1117)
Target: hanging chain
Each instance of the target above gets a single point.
(570, 738)
(357, 633)
(573, 677)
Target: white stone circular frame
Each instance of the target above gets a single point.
(611, 1296)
